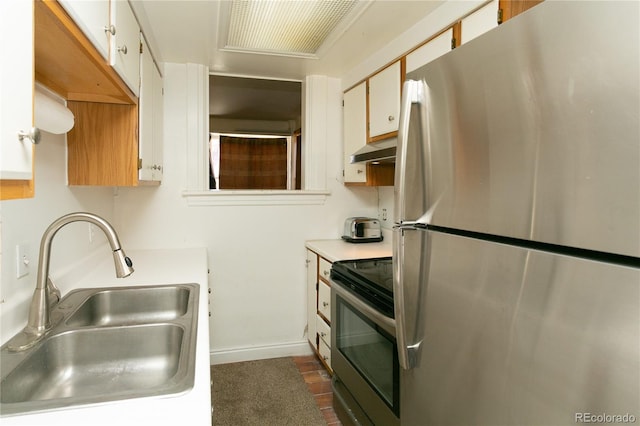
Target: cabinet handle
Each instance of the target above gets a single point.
(123, 49)
(325, 304)
(33, 135)
(323, 334)
(360, 171)
(391, 118)
(326, 273)
(324, 357)
(111, 29)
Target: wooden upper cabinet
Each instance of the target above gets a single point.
(511, 8)
(102, 148)
(67, 62)
(150, 119)
(479, 22)
(355, 132)
(384, 102)
(432, 49)
(125, 44)
(93, 19)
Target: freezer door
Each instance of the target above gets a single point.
(534, 130)
(519, 337)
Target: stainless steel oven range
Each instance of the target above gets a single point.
(364, 353)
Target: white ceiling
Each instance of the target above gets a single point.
(185, 31)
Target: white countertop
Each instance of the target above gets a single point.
(193, 406)
(334, 250)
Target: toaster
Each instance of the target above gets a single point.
(362, 230)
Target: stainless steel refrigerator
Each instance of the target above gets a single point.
(517, 235)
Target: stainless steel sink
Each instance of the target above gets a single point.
(131, 306)
(110, 344)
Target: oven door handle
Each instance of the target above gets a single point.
(386, 323)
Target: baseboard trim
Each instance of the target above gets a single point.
(253, 353)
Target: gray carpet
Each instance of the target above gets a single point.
(264, 392)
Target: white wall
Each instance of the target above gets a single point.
(24, 221)
(256, 253)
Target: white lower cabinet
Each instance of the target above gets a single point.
(319, 306)
(325, 352)
(324, 300)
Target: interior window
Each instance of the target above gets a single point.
(253, 162)
(255, 140)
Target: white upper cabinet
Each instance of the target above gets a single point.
(125, 44)
(384, 100)
(479, 22)
(16, 89)
(150, 122)
(355, 131)
(158, 125)
(429, 51)
(93, 19)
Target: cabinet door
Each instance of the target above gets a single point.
(16, 89)
(384, 101)
(312, 296)
(324, 300)
(158, 125)
(145, 111)
(355, 132)
(431, 50)
(479, 22)
(125, 44)
(93, 18)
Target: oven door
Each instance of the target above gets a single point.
(364, 358)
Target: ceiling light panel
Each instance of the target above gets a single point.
(295, 27)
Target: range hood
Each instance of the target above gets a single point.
(381, 151)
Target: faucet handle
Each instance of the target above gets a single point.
(54, 293)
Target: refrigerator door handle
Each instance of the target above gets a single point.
(408, 281)
(410, 225)
(410, 95)
(408, 293)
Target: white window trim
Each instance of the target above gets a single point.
(197, 179)
(255, 197)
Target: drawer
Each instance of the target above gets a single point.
(325, 352)
(325, 269)
(324, 299)
(324, 330)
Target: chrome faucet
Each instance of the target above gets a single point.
(46, 294)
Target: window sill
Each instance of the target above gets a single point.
(254, 197)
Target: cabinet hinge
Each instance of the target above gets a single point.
(500, 16)
(453, 43)
(141, 48)
(139, 163)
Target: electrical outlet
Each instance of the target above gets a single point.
(23, 260)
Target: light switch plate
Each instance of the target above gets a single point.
(23, 260)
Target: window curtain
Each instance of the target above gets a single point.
(253, 163)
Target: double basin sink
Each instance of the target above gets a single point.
(107, 344)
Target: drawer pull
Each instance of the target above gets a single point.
(325, 304)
